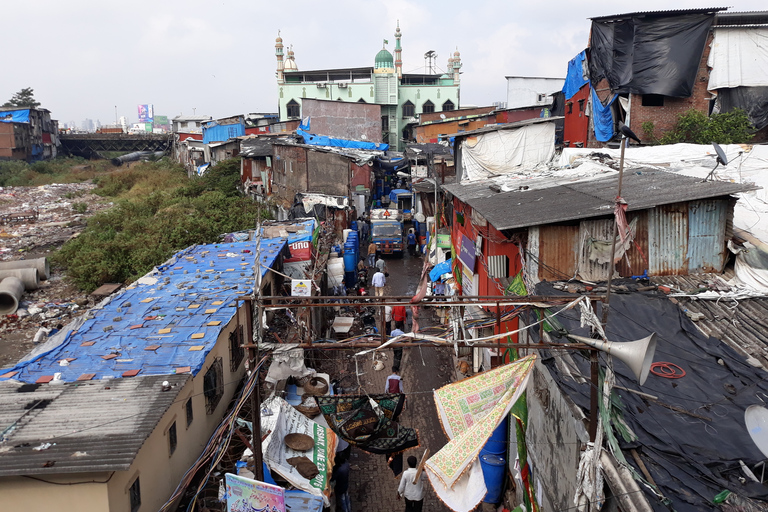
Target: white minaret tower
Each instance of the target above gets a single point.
(398, 52)
(456, 65)
(279, 55)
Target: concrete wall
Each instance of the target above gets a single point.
(289, 171)
(554, 440)
(79, 491)
(524, 91)
(356, 121)
(328, 173)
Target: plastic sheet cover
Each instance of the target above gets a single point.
(14, 116)
(649, 55)
(322, 140)
(739, 58)
(577, 77)
(602, 118)
(752, 100)
(693, 435)
(164, 323)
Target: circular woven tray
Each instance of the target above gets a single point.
(299, 442)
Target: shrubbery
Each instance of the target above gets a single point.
(696, 127)
(158, 211)
(14, 173)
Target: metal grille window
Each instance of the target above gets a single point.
(134, 493)
(293, 109)
(448, 105)
(172, 439)
(190, 413)
(428, 107)
(409, 109)
(236, 351)
(213, 385)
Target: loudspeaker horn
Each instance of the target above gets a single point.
(638, 355)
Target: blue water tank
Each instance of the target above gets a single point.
(494, 470)
(497, 443)
(353, 225)
(350, 279)
(350, 263)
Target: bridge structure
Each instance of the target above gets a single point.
(91, 145)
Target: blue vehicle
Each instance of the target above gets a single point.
(387, 231)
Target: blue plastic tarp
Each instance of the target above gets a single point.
(322, 140)
(15, 116)
(398, 191)
(440, 269)
(165, 322)
(574, 79)
(602, 118)
(222, 132)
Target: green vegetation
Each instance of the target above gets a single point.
(697, 128)
(158, 211)
(79, 207)
(14, 173)
(22, 99)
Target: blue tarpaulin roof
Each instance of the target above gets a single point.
(440, 269)
(14, 116)
(170, 319)
(575, 80)
(322, 140)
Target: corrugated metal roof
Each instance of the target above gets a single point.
(671, 12)
(732, 19)
(254, 146)
(504, 126)
(546, 201)
(92, 426)
(742, 324)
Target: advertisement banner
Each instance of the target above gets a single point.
(146, 113)
(246, 495)
(444, 241)
(467, 253)
(301, 287)
(301, 250)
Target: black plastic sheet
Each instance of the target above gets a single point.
(649, 55)
(692, 457)
(752, 100)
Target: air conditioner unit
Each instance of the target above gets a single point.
(321, 86)
(342, 86)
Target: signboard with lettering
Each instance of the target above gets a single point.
(301, 288)
(247, 495)
(444, 241)
(467, 253)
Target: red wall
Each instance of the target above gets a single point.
(257, 130)
(185, 136)
(511, 116)
(576, 124)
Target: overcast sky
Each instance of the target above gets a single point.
(84, 58)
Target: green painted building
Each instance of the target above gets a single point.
(402, 96)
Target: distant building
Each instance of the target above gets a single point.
(28, 134)
(531, 91)
(402, 96)
(189, 124)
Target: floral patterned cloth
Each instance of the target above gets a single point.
(470, 410)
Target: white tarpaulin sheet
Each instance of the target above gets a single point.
(504, 151)
(739, 58)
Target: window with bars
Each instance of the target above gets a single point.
(213, 385)
(172, 439)
(236, 351)
(428, 107)
(134, 492)
(190, 412)
(293, 109)
(409, 109)
(448, 105)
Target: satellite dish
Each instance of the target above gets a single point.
(721, 158)
(756, 418)
(442, 116)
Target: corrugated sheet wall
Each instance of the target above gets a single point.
(636, 260)
(558, 251)
(706, 235)
(601, 229)
(668, 240)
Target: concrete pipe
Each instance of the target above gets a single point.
(28, 277)
(41, 264)
(11, 289)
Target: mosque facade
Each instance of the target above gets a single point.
(402, 96)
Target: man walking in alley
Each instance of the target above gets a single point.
(379, 281)
(412, 242)
(397, 351)
(371, 254)
(399, 315)
(412, 492)
(394, 383)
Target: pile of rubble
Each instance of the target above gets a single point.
(34, 221)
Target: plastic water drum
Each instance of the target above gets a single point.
(345, 233)
(494, 469)
(497, 443)
(353, 225)
(349, 261)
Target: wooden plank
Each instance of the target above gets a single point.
(420, 467)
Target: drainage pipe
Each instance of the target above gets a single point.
(27, 276)
(11, 289)
(41, 264)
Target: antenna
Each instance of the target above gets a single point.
(430, 59)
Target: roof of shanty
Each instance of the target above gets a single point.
(748, 18)
(80, 427)
(429, 148)
(505, 126)
(742, 324)
(256, 146)
(671, 12)
(535, 202)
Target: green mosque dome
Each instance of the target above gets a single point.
(384, 59)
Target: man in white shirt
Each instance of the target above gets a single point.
(387, 319)
(413, 493)
(379, 281)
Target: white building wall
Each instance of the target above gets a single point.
(523, 91)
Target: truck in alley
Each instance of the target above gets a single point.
(387, 231)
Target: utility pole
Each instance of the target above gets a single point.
(258, 457)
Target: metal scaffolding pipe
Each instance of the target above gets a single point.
(41, 264)
(11, 289)
(28, 277)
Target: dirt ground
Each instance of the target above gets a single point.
(61, 212)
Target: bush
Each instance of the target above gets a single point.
(79, 207)
(15, 173)
(697, 128)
